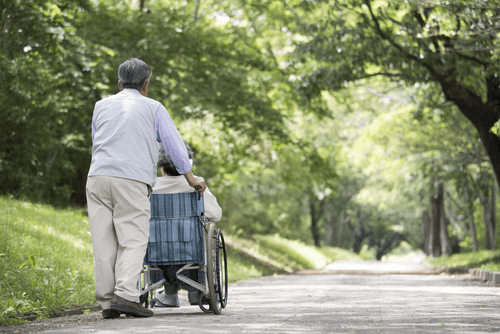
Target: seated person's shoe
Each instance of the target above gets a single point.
(164, 300)
(110, 314)
(128, 307)
(194, 297)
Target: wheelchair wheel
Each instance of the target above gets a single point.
(216, 276)
(202, 301)
(222, 270)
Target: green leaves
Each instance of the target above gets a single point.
(32, 260)
(62, 57)
(265, 92)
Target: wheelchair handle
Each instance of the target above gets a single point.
(196, 188)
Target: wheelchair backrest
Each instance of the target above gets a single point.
(176, 205)
(175, 230)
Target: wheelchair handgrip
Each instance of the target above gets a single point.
(196, 188)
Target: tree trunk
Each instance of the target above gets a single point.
(472, 224)
(483, 115)
(435, 228)
(486, 218)
(358, 239)
(473, 233)
(315, 216)
(488, 201)
(340, 235)
(443, 223)
(426, 228)
(388, 244)
(493, 239)
(329, 229)
(492, 144)
(359, 234)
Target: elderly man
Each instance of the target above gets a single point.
(126, 129)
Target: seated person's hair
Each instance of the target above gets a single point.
(167, 164)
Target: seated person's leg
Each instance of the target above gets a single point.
(168, 297)
(193, 294)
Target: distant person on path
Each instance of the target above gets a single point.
(169, 183)
(126, 130)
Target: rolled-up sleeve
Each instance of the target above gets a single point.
(167, 134)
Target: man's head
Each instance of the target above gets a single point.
(134, 73)
(167, 164)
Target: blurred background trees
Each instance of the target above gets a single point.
(354, 124)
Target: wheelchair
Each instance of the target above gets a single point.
(181, 238)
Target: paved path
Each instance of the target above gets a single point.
(414, 266)
(322, 302)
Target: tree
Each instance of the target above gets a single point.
(44, 74)
(452, 44)
(199, 67)
(405, 139)
(60, 57)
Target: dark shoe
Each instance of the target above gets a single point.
(194, 297)
(110, 314)
(127, 307)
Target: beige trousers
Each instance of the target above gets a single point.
(119, 213)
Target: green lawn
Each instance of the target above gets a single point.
(45, 259)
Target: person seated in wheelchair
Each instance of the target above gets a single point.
(172, 182)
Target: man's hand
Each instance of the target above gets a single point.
(197, 182)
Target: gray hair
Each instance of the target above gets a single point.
(167, 164)
(134, 73)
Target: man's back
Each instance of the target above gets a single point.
(124, 139)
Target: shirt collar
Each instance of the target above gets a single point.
(130, 90)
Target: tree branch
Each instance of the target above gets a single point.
(416, 59)
(195, 15)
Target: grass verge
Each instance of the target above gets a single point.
(484, 259)
(45, 260)
(280, 255)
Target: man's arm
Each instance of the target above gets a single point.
(197, 182)
(167, 133)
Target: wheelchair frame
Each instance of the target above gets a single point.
(215, 286)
